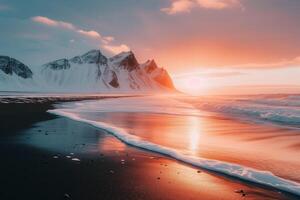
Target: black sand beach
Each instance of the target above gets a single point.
(48, 157)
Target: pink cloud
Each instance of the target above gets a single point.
(50, 22)
(218, 4)
(91, 33)
(183, 6)
(104, 41)
(179, 6)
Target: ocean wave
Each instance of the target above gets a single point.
(284, 111)
(264, 178)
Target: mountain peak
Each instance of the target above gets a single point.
(125, 60)
(150, 66)
(94, 56)
(10, 65)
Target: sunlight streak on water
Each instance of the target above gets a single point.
(194, 134)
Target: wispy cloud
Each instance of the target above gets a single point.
(183, 6)
(106, 41)
(116, 48)
(294, 62)
(50, 22)
(92, 34)
(179, 6)
(211, 74)
(4, 7)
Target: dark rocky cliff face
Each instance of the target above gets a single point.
(93, 56)
(125, 60)
(59, 64)
(10, 65)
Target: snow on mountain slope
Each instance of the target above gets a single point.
(14, 75)
(94, 72)
(90, 72)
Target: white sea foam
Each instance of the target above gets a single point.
(278, 110)
(238, 171)
(149, 104)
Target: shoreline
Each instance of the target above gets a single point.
(150, 164)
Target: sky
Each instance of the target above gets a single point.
(208, 46)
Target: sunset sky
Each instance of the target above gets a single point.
(206, 45)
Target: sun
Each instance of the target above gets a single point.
(192, 84)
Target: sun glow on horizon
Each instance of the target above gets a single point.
(239, 81)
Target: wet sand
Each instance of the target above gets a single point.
(36, 153)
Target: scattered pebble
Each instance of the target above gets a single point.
(67, 196)
(76, 159)
(133, 158)
(240, 192)
(71, 153)
(111, 171)
(55, 157)
(158, 178)
(68, 156)
(198, 171)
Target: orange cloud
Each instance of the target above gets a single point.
(181, 6)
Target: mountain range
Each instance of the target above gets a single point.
(90, 72)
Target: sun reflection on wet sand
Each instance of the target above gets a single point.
(212, 137)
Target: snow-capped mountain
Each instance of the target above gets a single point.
(90, 72)
(14, 75)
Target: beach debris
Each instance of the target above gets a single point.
(239, 191)
(67, 196)
(122, 161)
(76, 159)
(242, 192)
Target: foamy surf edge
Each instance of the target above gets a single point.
(264, 178)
